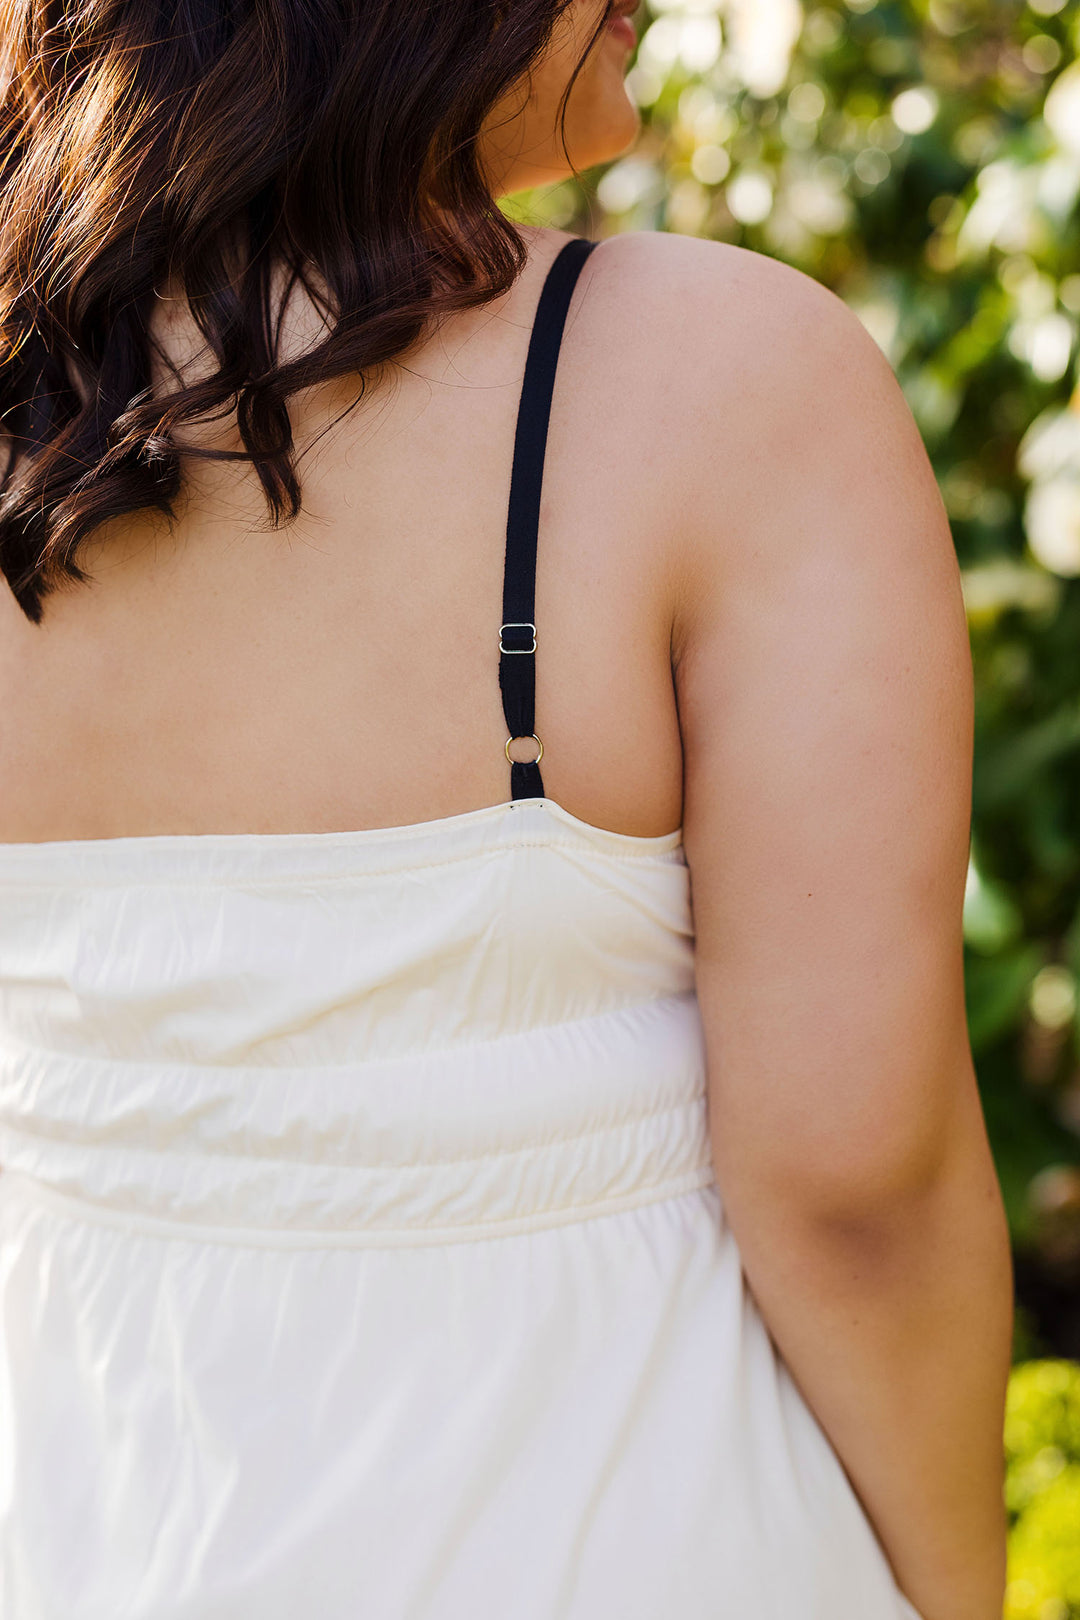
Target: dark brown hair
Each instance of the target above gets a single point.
(201, 143)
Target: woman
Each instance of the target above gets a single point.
(384, 1141)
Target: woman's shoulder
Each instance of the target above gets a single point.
(771, 398)
(701, 305)
(694, 275)
(700, 264)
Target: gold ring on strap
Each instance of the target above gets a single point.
(535, 761)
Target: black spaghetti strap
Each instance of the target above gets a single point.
(517, 635)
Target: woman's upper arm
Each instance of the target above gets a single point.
(824, 691)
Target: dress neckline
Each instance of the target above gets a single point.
(348, 838)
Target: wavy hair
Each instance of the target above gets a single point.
(202, 143)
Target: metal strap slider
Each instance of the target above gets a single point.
(503, 648)
(535, 739)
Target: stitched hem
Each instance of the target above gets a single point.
(567, 830)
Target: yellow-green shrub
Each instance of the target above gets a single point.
(1042, 1447)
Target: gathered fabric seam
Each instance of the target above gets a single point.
(86, 1212)
(494, 1156)
(304, 1069)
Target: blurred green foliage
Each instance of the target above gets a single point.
(922, 158)
(1042, 1446)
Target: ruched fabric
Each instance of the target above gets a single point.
(361, 1256)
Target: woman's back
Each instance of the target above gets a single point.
(342, 673)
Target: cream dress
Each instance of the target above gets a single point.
(360, 1251)
(360, 1255)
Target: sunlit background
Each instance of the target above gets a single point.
(923, 160)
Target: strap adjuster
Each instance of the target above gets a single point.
(503, 648)
(531, 738)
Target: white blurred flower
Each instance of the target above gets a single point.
(1051, 444)
(821, 206)
(1002, 214)
(687, 207)
(644, 84)
(785, 235)
(750, 196)
(1049, 455)
(762, 36)
(659, 48)
(708, 119)
(914, 110)
(881, 317)
(806, 102)
(1033, 292)
(629, 182)
(1045, 344)
(1018, 274)
(1061, 110)
(700, 45)
(1051, 347)
(710, 165)
(991, 588)
(1059, 184)
(1053, 997)
(1052, 522)
(693, 40)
